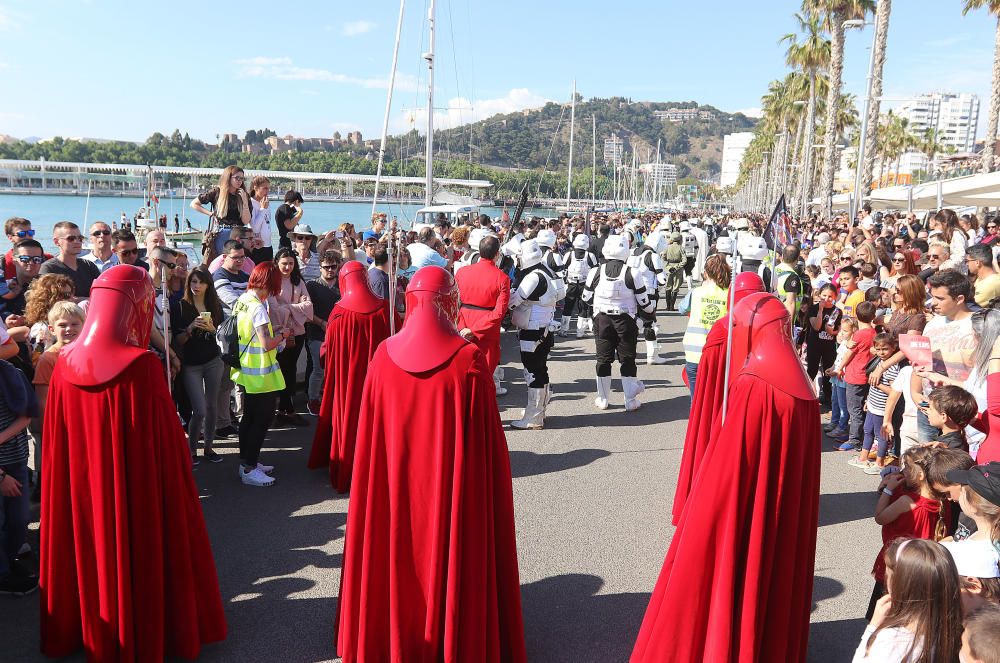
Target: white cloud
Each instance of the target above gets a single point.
(355, 28)
(461, 111)
(284, 69)
(749, 112)
(8, 20)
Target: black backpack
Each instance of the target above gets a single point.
(227, 337)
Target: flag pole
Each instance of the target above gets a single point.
(729, 324)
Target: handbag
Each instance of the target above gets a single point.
(872, 364)
(208, 252)
(685, 306)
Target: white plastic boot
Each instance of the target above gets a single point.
(652, 347)
(632, 388)
(534, 411)
(566, 321)
(581, 326)
(498, 381)
(603, 392)
(590, 325)
(548, 396)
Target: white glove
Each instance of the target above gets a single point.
(554, 325)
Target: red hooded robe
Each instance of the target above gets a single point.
(430, 560)
(126, 568)
(736, 585)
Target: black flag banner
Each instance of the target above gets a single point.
(778, 232)
(521, 203)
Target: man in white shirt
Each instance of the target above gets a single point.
(818, 252)
(102, 254)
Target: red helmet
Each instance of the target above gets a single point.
(745, 284)
(355, 293)
(119, 322)
(429, 337)
(435, 285)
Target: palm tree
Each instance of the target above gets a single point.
(834, 13)
(808, 55)
(993, 6)
(881, 37)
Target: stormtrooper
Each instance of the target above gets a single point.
(645, 261)
(581, 261)
(753, 252)
(633, 230)
(617, 293)
(552, 258)
(690, 244)
(533, 312)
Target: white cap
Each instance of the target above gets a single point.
(974, 558)
(724, 245)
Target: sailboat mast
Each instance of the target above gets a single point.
(593, 164)
(429, 56)
(572, 126)
(658, 178)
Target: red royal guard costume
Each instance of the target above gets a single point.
(736, 585)
(430, 562)
(357, 324)
(485, 294)
(126, 567)
(707, 400)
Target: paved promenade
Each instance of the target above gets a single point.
(592, 495)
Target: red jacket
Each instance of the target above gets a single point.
(485, 294)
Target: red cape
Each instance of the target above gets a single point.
(126, 566)
(351, 339)
(737, 581)
(430, 562)
(705, 405)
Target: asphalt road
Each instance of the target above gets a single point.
(592, 495)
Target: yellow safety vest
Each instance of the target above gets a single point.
(781, 274)
(259, 372)
(708, 304)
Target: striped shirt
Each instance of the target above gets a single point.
(229, 287)
(14, 450)
(877, 397)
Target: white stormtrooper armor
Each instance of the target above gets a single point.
(619, 290)
(646, 260)
(752, 251)
(552, 258)
(534, 301)
(581, 261)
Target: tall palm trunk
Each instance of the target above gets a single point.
(796, 184)
(832, 105)
(991, 123)
(881, 37)
(807, 146)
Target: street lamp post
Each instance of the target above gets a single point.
(856, 200)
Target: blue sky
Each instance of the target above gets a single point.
(115, 69)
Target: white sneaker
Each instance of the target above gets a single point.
(266, 469)
(256, 477)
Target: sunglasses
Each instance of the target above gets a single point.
(933, 256)
(127, 252)
(845, 258)
(25, 233)
(38, 260)
(98, 233)
(169, 265)
(237, 258)
(899, 260)
(329, 266)
(73, 238)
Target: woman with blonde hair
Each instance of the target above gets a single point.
(260, 219)
(229, 210)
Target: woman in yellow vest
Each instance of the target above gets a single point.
(259, 376)
(708, 304)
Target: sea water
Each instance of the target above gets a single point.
(44, 211)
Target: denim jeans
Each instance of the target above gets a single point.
(202, 382)
(925, 432)
(873, 434)
(692, 373)
(856, 395)
(14, 517)
(227, 392)
(222, 238)
(315, 388)
(839, 416)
